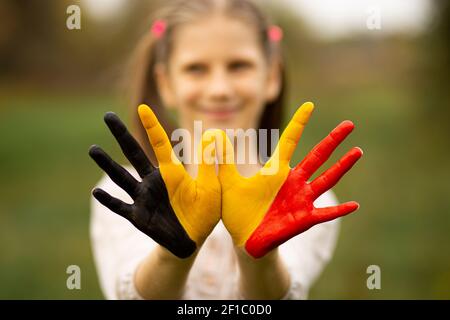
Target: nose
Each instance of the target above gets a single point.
(220, 85)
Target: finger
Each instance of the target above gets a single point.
(225, 155)
(291, 135)
(156, 134)
(116, 172)
(130, 147)
(207, 166)
(172, 170)
(330, 213)
(121, 208)
(330, 177)
(322, 151)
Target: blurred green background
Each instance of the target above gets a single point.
(56, 84)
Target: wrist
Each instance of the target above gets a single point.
(166, 256)
(262, 278)
(244, 257)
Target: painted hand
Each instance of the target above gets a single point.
(173, 209)
(276, 204)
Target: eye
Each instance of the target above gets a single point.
(195, 68)
(240, 65)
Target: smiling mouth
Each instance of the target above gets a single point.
(220, 113)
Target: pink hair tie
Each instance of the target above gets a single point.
(158, 28)
(275, 33)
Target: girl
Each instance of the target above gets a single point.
(229, 233)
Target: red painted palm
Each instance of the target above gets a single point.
(292, 211)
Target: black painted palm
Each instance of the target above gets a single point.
(152, 211)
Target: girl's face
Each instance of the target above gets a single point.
(217, 73)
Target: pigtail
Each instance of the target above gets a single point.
(143, 86)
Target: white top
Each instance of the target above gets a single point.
(118, 248)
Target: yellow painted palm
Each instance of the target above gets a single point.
(196, 202)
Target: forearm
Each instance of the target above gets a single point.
(161, 275)
(264, 278)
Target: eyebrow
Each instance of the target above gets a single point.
(234, 58)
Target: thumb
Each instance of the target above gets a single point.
(207, 156)
(225, 155)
